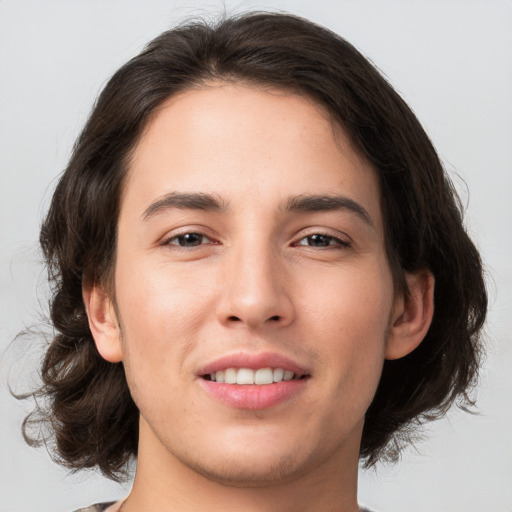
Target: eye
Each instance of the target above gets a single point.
(188, 240)
(320, 240)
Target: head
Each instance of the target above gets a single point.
(267, 66)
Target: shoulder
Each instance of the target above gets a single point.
(99, 507)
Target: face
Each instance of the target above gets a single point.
(250, 249)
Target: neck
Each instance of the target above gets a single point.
(164, 483)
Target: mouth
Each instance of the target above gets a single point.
(253, 381)
(249, 376)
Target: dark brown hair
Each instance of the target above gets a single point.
(87, 405)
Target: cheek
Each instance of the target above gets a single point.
(161, 313)
(157, 295)
(351, 317)
(351, 301)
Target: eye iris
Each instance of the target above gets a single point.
(319, 240)
(190, 239)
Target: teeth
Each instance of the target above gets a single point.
(245, 376)
(288, 375)
(230, 376)
(278, 375)
(264, 376)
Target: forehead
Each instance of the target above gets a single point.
(246, 144)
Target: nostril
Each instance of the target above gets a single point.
(274, 318)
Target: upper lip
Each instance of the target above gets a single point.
(254, 362)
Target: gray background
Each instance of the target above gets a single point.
(451, 60)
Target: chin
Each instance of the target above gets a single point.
(251, 471)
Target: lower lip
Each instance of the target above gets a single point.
(254, 397)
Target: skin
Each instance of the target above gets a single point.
(252, 282)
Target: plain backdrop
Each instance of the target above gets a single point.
(452, 62)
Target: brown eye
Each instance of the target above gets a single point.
(188, 240)
(319, 240)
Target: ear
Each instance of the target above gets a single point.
(103, 322)
(412, 315)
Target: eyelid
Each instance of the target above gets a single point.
(188, 230)
(176, 237)
(338, 242)
(343, 240)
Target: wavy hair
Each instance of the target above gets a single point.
(86, 407)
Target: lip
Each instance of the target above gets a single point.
(253, 396)
(253, 361)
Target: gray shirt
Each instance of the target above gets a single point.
(100, 507)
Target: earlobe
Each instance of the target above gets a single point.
(412, 316)
(103, 322)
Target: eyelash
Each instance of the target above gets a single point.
(169, 240)
(338, 242)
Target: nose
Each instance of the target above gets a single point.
(255, 291)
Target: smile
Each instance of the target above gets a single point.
(248, 376)
(249, 381)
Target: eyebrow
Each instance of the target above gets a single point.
(184, 201)
(319, 203)
(302, 203)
